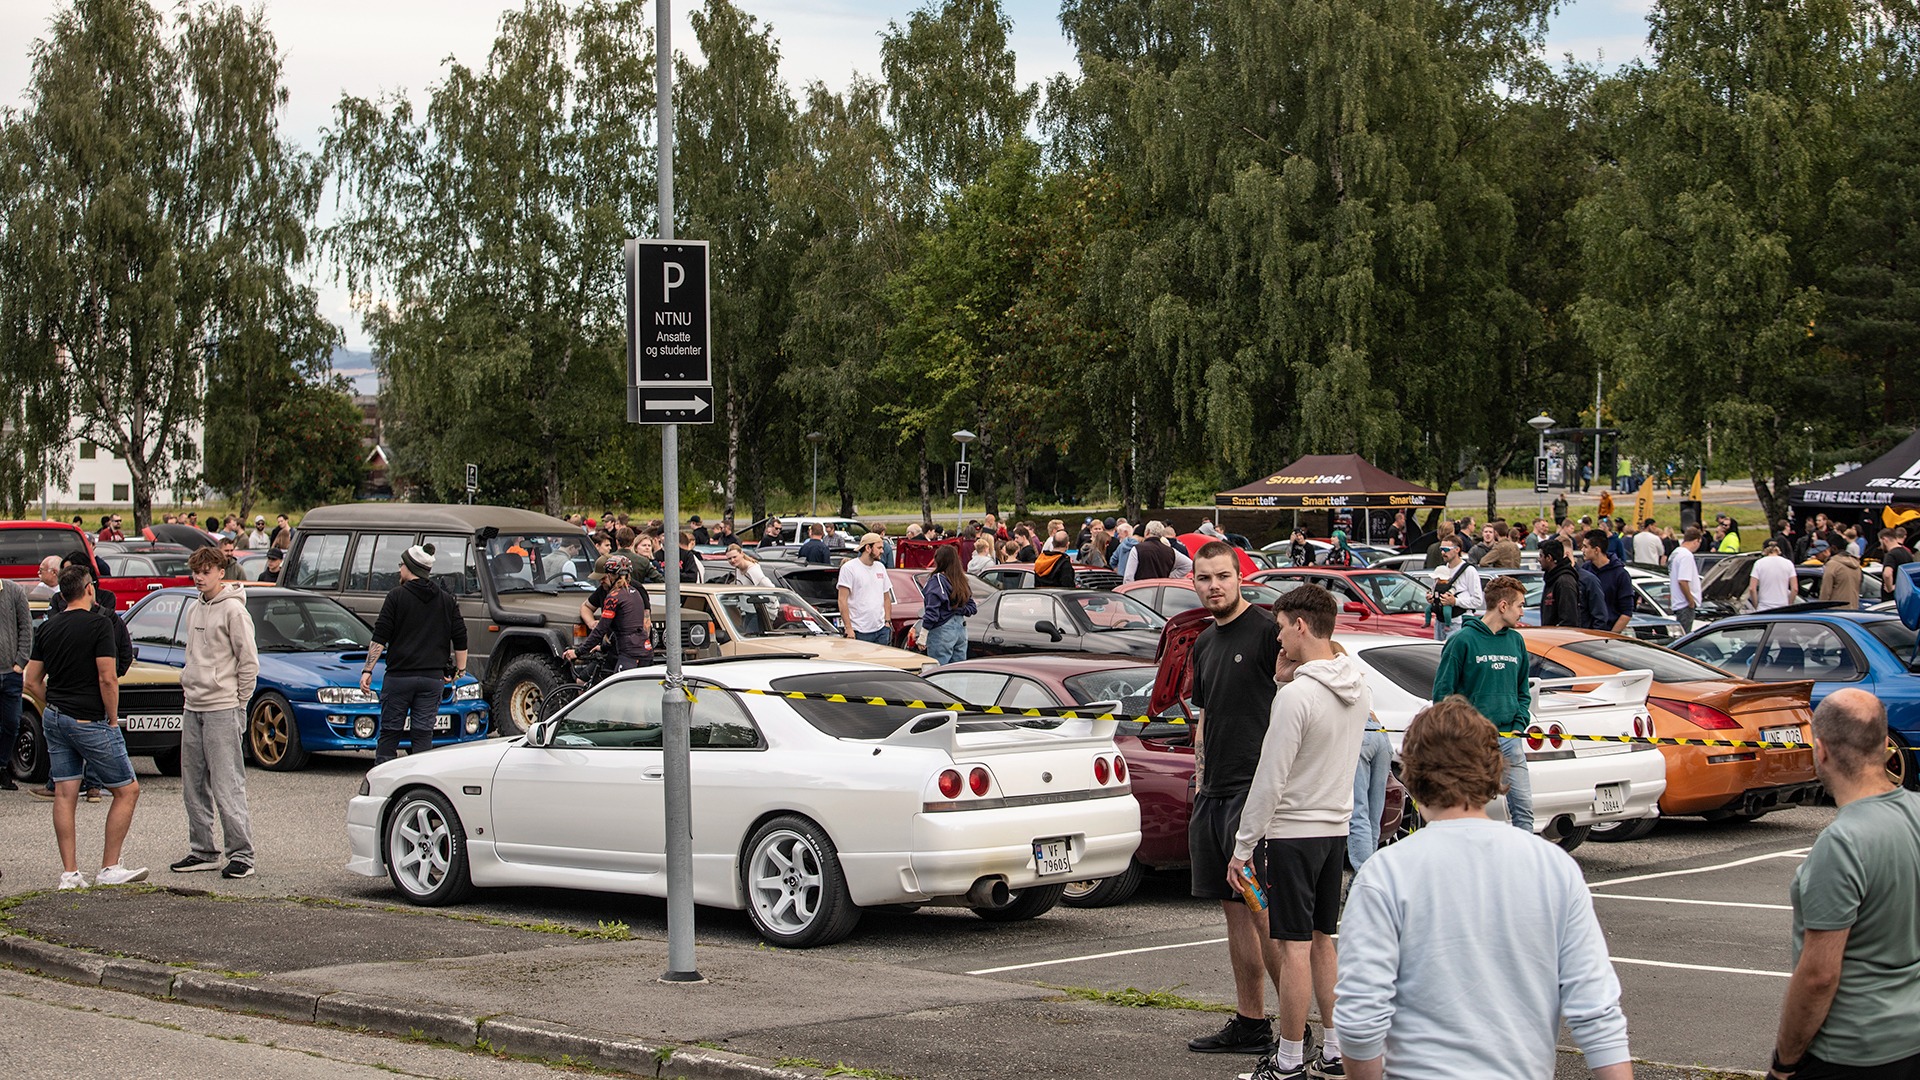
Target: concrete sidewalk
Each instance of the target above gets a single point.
(550, 993)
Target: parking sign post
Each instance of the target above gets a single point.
(681, 347)
(473, 481)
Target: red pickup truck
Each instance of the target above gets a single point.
(24, 543)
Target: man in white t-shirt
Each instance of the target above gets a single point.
(1683, 579)
(866, 594)
(1772, 584)
(1647, 548)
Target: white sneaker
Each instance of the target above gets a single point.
(73, 879)
(119, 875)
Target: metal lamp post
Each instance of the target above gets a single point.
(963, 437)
(1541, 424)
(816, 438)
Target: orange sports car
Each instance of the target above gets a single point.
(1691, 700)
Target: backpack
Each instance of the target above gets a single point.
(1593, 601)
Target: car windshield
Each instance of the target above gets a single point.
(1894, 635)
(1658, 589)
(1629, 654)
(304, 623)
(537, 562)
(772, 614)
(858, 720)
(1111, 611)
(1393, 594)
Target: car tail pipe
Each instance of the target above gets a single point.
(989, 892)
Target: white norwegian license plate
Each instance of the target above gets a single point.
(1609, 798)
(1050, 857)
(1790, 733)
(443, 722)
(154, 722)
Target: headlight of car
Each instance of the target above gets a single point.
(467, 692)
(347, 695)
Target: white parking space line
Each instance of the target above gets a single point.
(1701, 903)
(1703, 967)
(1097, 956)
(1796, 853)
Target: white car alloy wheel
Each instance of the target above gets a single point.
(427, 849)
(795, 892)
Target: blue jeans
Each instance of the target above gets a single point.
(408, 703)
(10, 689)
(1519, 784)
(947, 643)
(1369, 797)
(882, 636)
(1441, 630)
(93, 748)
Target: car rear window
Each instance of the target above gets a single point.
(1628, 654)
(1894, 635)
(27, 547)
(857, 720)
(1409, 667)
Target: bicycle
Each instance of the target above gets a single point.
(588, 669)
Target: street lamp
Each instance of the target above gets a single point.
(1808, 428)
(816, 438)
(963, 437)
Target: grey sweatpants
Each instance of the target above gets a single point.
(213, 777)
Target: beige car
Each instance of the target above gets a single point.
(747, 620)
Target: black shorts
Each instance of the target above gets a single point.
(1210, 831)
(1302, 878)
(1816, 1069)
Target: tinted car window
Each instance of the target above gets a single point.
(1894, 635)
(1729, 648)
(453, 564)
(321, 559)
(613, 716)
(1130, 686)
(376, 562)
(1806, 650)
(848, 720)
(1409, 667)
(1027, 694)
(1539, 667)
(720, 722)
(1629, 654)
(158, 620)
(26, 547)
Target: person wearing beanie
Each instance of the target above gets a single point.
(424, 640)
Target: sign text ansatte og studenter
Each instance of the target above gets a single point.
(669, 333)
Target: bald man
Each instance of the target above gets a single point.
(1856, 976)
(49, 583)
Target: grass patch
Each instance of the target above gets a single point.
(1134, 998)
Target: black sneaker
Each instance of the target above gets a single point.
(6, 782)
(1239, 1036)
(238, 868)
(194, 863)
(1322, 1069)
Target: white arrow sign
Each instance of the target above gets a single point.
(695, 404)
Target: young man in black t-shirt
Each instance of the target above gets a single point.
(1234, 662)
(73, 670)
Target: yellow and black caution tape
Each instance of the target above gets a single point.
(1083, 714)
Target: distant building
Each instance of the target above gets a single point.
(97, 478)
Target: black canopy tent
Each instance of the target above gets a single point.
(1893, 477)
(1331, 483)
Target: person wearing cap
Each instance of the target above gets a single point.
(276, 558)
(699, 529)
(258, 540)
(866, 594)
(418, 628)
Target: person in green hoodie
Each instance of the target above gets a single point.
(1485, 661)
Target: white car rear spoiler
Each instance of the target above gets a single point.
(1595, 692)
(941, 730)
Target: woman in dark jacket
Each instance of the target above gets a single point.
(947, 598)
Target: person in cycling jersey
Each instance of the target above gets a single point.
(625, 619)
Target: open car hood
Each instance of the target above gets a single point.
(1174, 679)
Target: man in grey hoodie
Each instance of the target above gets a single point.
(1300, 804)
(222, 666)
(16, 648)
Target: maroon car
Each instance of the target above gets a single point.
(24, 543)
(1159, 754)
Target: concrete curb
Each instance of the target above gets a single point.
(387, 1016)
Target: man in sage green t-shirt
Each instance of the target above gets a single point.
(1851, 1005)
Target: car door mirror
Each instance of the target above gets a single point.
(540, 734)
(1045, 626)
(1354, 607)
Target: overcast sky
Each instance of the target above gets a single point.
(365, 47)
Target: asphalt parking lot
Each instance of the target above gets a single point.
(1696, 915)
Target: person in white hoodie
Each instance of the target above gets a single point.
(1300, 804)
(222, 665)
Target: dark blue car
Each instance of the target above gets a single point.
(1866, 650)
(309, 698)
